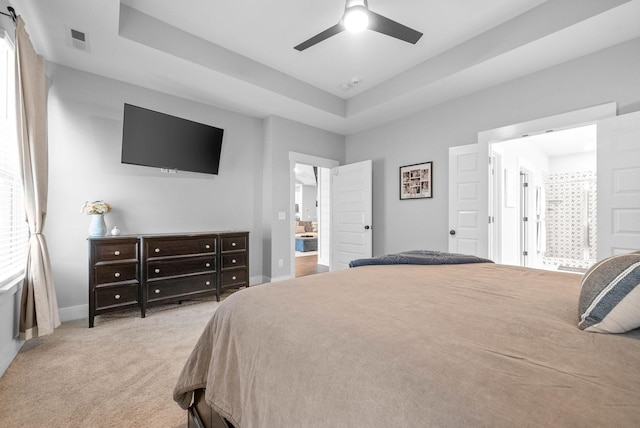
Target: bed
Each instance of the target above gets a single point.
(476, 344)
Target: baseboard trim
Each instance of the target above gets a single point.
(255, 280)
(74, 313)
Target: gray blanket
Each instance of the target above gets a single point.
(419, 257)
(469, 345)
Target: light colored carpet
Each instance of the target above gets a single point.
(121, 373)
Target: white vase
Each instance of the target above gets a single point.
(97, 226)
(115, 231)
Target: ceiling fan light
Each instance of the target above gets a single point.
(356, 19)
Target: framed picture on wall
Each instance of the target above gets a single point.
(416, 181)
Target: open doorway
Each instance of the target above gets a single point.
(345, 209)
(617, 163)
(312, 219)
(545, 202)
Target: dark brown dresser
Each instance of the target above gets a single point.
(234, 261)
(114, 274)
(145, 270)
(178, 267)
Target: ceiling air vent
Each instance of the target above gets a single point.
(78, 39)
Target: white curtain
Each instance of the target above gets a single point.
(39, 310)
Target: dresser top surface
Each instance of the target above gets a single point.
(168, 235)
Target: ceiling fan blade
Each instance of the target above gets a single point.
(332, 31)
(392, 28)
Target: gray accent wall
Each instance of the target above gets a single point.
(605, 76)
(283, 136)
(85, 134)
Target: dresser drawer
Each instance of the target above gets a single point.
(173, 267)
(233, 243)
(120, 295)
(234, 261)
(233, 278)
(180, 287)
(116, 272)
(114, 251)
(165, 247)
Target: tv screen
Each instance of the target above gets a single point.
(150, 138)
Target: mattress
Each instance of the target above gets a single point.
(413, 346)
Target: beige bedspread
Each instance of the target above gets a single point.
(478, 345)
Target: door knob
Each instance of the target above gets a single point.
(367, 227)
(452, 232)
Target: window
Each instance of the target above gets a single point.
(14, 231)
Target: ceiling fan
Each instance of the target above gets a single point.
(358, 17)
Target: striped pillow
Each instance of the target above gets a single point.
(610, 295)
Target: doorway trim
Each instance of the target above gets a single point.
(525, 216)
(495, 202)
(294, 158)
(573, 119)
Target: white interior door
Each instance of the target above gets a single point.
(468, 200)
(351, 207)
(618, 185)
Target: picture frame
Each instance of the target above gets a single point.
(416, 181)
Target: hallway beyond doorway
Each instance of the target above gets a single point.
(308, 265)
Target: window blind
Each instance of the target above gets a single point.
(14, 231)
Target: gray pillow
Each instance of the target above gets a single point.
(610, 295)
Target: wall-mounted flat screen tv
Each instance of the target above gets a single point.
(151, 138)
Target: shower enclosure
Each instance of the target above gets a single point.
(570, 221)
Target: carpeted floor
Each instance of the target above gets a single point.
(120, 373)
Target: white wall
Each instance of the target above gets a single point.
(587, 161)
(85, 131)
(605, 76)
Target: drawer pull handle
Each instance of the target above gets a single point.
(157, 250)
(207, 283)
(207, 246)
(207, 265)
(116, 252)
(233, 277)
(117, 296)
(233, 244)
(233, 261)
(157, 291)
(157, 271)
(117, 274)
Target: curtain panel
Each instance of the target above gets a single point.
(39, 310)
